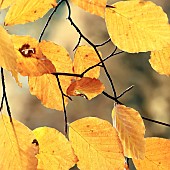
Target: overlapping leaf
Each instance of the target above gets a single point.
(55, 150)
(7, 53)
(157, 155)
(137, 26)
(46, 87)
(5, 3)
(31, 61)
(17, 150)
(23, 11)
(96, 144)
(160, 61)
(131, 129)
(84, 58)
(86, 87)
(96, 7)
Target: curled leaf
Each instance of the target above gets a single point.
(85, 87)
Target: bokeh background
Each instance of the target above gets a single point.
(150, 96)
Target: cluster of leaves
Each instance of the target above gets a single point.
(133, 26)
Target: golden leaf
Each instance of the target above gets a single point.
(157, 155)
(31, 61)
(7, 53)
(131, 129)
(46, 89)
(17, 150)
(84, 58)
(5, 3)
(137, 26)
(96, 7)
(23, 11)
(85, 87)
(160, 61)
(96, 144)
(55, 151)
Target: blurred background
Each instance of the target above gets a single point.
(150, 96)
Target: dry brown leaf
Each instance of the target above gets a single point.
(131, 130)
(96, 144)
(96, 7)
(84, 58)
(31, 61)
(160, 61)
(157, 155)
(137, 26)
(17, 150)
(85, 87)
(23, 11)
(55, 151)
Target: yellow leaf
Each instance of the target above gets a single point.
(131, 129)
(96, 7)
(160, 61)
(157, 155)
(23, 11)
(84, 58)
(96, 144)
(85, 87)
(7, 53)
(45, 87)
(31, 61)
(137, 26)
(55, 151)
(5, 3)
(17, 150)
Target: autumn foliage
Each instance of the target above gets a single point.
(53, 77)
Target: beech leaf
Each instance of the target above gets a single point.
(5, 3)
(55, 151)
(160, 61)
(131, 130)
(137, 26)
(156, 156)
(96, 7)
(85, 87)
(17, 150)
(23, 11)
(96, 144)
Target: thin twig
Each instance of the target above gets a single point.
(111, 97)
(64, 107)
(49, 19)
(128, 89)
(77, 43)
(155, 121)
(5, 95)
(99, 45)
(2, 101)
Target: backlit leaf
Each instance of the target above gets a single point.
(137, 26)
(17, 150)
(84, 58)
(85, 87)
(157, 155)
(160, 61)
(96, 144)
(55, 151)
(31, 61)
(7, 53)
(23, 11)
(131, 129)
(45, 87)
(5, 3)
(96, 7)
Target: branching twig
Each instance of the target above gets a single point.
(99, 45)
(5, 95)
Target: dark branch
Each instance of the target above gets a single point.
(128, 89)
(5, 95)
(99, 45)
